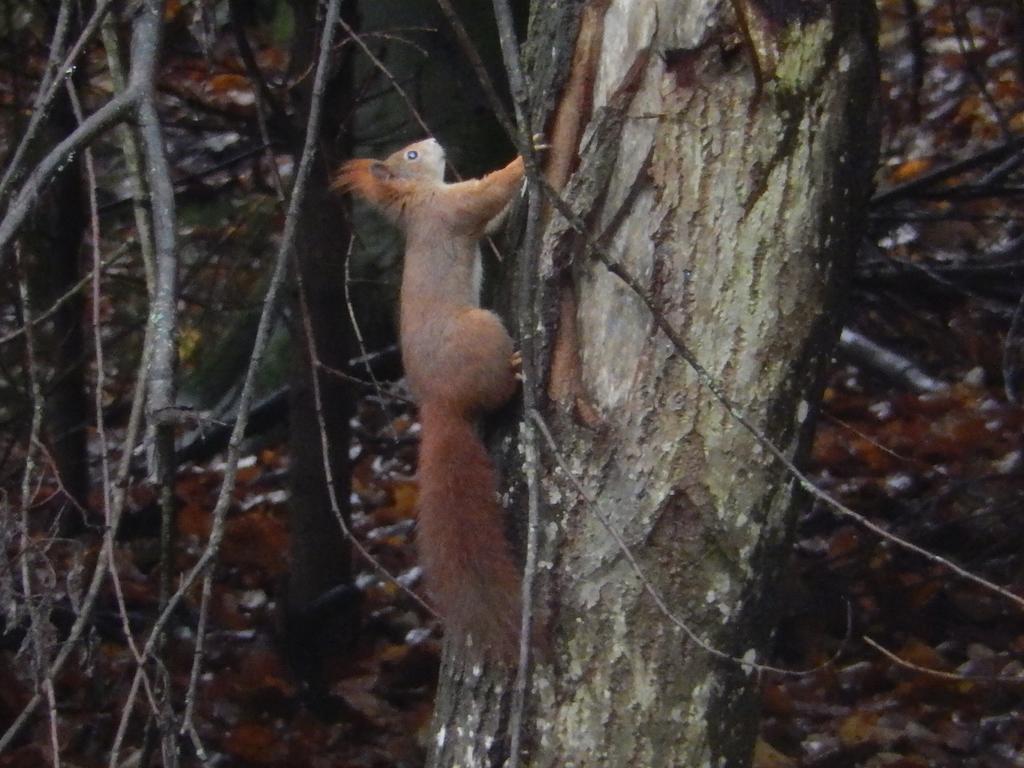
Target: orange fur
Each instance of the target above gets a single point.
(458, 361)
(356, 176)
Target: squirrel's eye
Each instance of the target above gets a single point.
(412, 154)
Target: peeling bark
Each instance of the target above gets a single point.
(731, 184)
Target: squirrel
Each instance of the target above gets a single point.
(460, 364)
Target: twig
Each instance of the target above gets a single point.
(1012, 354)
(264, 97)
(868, 438)
(132, 151)
(108, 542)
(355, 329)
(88, 603)
(188, 723)
(371, 385)
(965, 41)
(471, 53)
(51, 704)
(111, 113)
(108, 539)
(951, 676)
(918, 52)
(51, 68)
(145, 45)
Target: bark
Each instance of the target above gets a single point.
(724, 159)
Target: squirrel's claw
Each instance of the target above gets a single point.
(516, 361)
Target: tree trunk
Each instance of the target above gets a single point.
(56, 230)
(319, 616)
(724, 157)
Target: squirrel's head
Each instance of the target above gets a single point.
(422, 160)
(390, 184)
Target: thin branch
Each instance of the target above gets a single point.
(132, 150)
(264, 97)
(50, 86)
(954, 677)
(111, 113)
(374, 386)
(88, 603)
(50, 69)
(946, 172)
(965, 41)
(51, 706)
(147, 25)
(358, 40)
(108, 540)
(1012, 354)
(355, 329)
(869, 439)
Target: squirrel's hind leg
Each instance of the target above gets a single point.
(487, 378)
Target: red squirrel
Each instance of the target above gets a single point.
(460, 364)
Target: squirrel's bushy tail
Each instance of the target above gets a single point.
(469, 569)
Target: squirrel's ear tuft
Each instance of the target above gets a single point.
(381, 171)
(349, 175)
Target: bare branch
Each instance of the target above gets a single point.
(51, 83)
(1012, 354)
(944, 173)
(953, 677)
(111, 113)
(471, 53)
(132, 150)
(872, 355)
(146, 37)
(358, 40)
